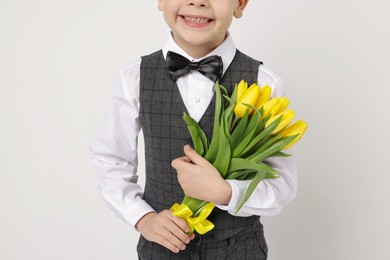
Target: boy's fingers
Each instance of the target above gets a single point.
(178, 227)
(193, 155)
(170, 234)
(181, 223)
(181, 163)
(162, 240)
(172, 237)
(178, 163)
(180, 238)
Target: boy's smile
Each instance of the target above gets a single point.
(196, 21)
(199, 26)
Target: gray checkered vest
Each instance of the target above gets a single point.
(165, 134)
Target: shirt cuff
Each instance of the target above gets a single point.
(143, 208)
(238, 190)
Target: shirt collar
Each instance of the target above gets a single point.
(227, 50)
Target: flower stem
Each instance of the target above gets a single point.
(194, 204)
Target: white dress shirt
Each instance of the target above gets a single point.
(114, 148)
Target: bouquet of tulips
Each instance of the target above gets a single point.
(249, 127)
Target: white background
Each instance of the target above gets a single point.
(57, 59)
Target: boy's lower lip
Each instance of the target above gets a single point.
(196, 22)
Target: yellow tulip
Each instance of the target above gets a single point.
(269, 105)
(241, 88)
(280, 106)
(276, 108)
(265, 93)
(248, 97)
(298, 128)
(287, 117)
(283, 104)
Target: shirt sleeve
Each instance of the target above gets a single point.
(113, 151)
(271, 195)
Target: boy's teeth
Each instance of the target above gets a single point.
(196, 20)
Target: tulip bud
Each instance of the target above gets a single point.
(283, 104)
(269, 105)
(248, 97)
(298, 128)
(241, 88)
(265, 93)
(287, 118)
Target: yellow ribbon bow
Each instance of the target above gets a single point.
(199, 223)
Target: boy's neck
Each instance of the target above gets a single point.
(198, 51)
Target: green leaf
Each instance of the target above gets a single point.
(237, 164)
(280, 154)
(252, 186)
(211, 154)
(247, 138)
(271, 176)
(198, 134)
(222, 160)
(256, 148)
(228, 118)
(229, 99)
(239, 131)
(262, 135)
(248, 175)
(222, 88)
(238, 175)
(256, 120)
(253, 122)
(264, 144)
(277, 146)
(261, 123)
(198, 145)
(234, 95)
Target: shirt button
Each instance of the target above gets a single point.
(196, 99)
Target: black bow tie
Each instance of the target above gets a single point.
(177, 66)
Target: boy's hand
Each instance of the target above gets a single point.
(165, 229)
(200, 179)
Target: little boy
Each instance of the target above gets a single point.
(152, 94)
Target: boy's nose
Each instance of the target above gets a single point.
(198, 3)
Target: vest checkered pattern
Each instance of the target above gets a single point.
(165, 134)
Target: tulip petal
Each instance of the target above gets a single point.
(284, 102)
(249, 98)
(269, 105)
(264, 96)
(241, 89)
(287, 118)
